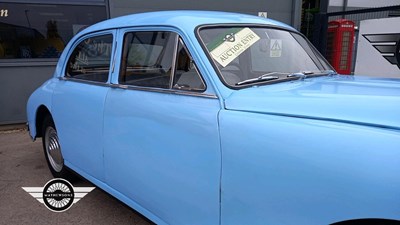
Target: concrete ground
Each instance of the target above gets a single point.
(22, 164)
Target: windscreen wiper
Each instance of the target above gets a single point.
(300, 75)
(306, 74)
(289, 76)
(264, 77)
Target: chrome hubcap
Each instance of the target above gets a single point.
(53, 149)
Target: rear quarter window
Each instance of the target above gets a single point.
(90, 59)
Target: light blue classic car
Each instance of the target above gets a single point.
(194, 117)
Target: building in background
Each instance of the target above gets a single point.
(378, 47)
(346, 5)
(358, 11)
(33, 34)
(317, 14)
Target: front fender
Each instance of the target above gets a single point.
(283, 170)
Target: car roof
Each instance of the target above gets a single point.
(182, 19)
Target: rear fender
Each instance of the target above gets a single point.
(39, 103)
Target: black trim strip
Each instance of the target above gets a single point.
(392, 37)
(323, 119)
(385, 48)
(391, 59)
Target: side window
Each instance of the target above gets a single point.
(147, 59)
(186, 75)
(90, 60)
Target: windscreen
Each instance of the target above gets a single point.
(243, 53)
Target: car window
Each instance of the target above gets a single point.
(90, 60)
(186, 76)
(147, 59)
(245, 56)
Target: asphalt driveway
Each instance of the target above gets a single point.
(22, 164)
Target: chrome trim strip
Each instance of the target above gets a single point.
(194, 94)
(151, 89)
(194, 63)
(174, 60)
(114, 57)
(167, 91)
(98, 83)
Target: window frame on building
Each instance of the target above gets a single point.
(38, 34)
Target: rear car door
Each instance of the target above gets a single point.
(78, 103)
(161, 139)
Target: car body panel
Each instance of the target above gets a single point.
(155, 144)
(309, 151)
(41, 97)
(302, 171)
(77, 111)
(80, 142)
(353, 99)
(128, 201)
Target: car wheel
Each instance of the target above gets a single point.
(52, 150)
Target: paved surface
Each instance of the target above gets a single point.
(22, 164)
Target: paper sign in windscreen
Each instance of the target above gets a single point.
(233, 45)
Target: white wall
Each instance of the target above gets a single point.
(365, 3)
(369, 60)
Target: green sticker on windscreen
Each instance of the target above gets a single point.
(233, 45)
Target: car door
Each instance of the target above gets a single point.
(78, 103)
(161, 139)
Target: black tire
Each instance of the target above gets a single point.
(55, 160)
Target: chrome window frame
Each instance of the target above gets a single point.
(180, 41)
(64, 75)
(170, 90)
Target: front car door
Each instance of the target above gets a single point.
(161, 139)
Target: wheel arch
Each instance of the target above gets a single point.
(367, 221)
(41, 113)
